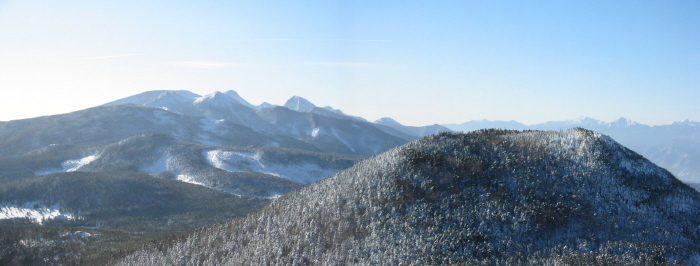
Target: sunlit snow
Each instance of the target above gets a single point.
(234, 161)
(189, 179)
(74, 165)
(158, 166)
(33, 211)
(68, 166)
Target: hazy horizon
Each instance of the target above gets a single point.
(419, 63)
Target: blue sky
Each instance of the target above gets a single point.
(419, 62)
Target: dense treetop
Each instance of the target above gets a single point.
(489, 196)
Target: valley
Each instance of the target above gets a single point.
(160, 164)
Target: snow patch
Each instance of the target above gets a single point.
(342, 140)
(68, 166)
(234, 161)
(77, 234)
(33, 211)
(210, 124)
(48, 171)
(314, 132)
(158, 166)
(74, 165)
(189, 179)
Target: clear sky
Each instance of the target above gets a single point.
(419, 62)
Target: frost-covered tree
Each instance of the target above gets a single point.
(486, 197)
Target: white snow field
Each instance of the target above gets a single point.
(33, 211)
(235, 161)
(69, 165)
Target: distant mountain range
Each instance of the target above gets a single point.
(675, 147)
(217, 141)
(174, 161)
(326, 128)
(489, 197)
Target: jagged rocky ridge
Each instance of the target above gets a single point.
(486, 197)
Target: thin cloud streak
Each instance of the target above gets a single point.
(310, 40)
(110, 56)
(344, 64)
(211, 64)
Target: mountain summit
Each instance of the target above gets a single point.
(299, 104)
(387, 121)
(487, 197)
(233, 94)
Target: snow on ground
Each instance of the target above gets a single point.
(74, 165)
(33, 211)
(78, 233)
(233, 161)
(189, 179)
(210, 125)
(342, 140)
(205, 139)
(69, 165)
(158, 166)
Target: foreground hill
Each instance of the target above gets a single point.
(490, 196)
(675, 147)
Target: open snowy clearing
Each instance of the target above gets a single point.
(234, 161)
(69, 165)
(33, 211)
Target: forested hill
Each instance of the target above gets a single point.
(489, 196)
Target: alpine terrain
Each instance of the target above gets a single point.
(675, 146)
(485, 197)
(162, 161)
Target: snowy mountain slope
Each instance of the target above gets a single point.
(304, 168)
(673, 146)
(166, 157)
(346, 136)
(119, 201)
(280, 170)
(488, 197)
(102, 125)
(35, 212)
(396, 133)
(222, 106)
(142, 99)
(300, 120)
(299, 104)
(416, 132)
(233, 94)
(175, 102)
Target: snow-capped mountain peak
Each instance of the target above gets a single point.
(623, 122)
(334, 110)
(145, 98)
(686, 122)
(265, 105)
(299, 104)
(233, 94)
(584, 120)
(215, 98)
